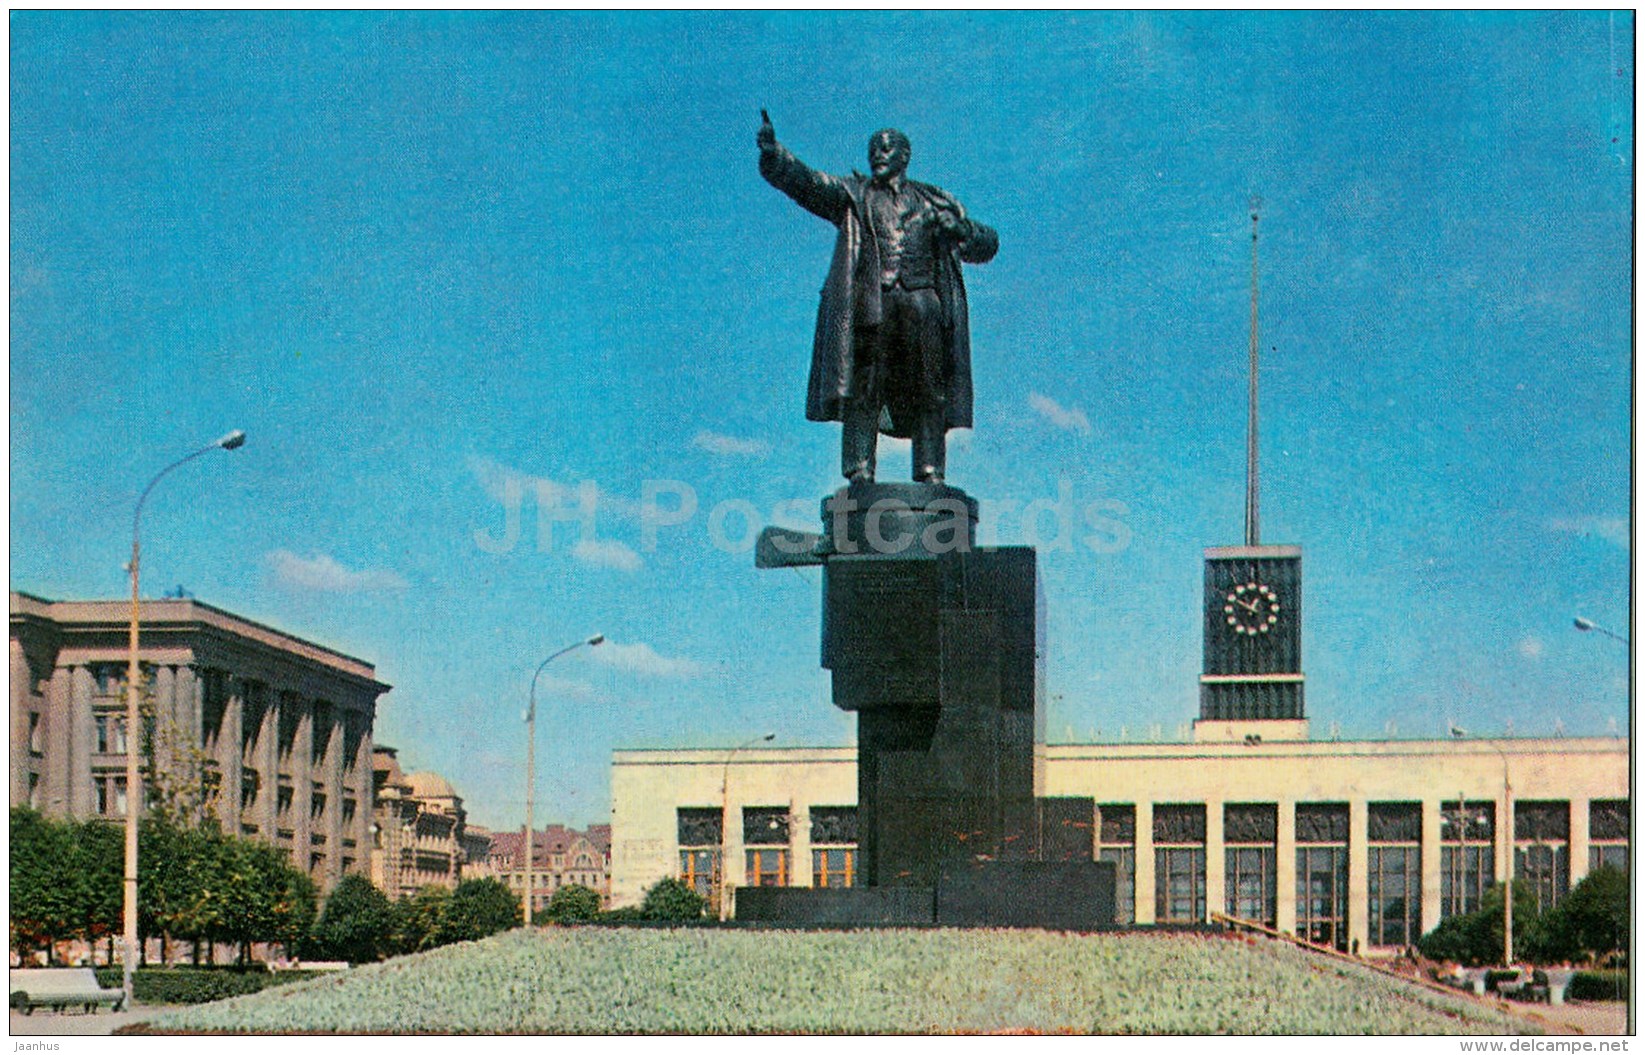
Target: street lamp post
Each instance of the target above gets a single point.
(134, 715)
(725, 822)
(1589, 624)
(531, 761)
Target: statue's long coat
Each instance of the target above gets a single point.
(851, 294)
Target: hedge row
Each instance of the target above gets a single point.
(196, 985)
(1598, 985)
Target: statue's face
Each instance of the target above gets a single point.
(887, 154)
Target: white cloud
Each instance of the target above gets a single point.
(1530, 647)
(1615, 530)
(716, 443)
(326, 574)
(1062, 417)
(607, 553)
(641, 658)
(498, 480)
(552, 687)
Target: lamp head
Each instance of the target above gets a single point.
(232, 440)
(597, 639)
(1583, 624)
(768, 737)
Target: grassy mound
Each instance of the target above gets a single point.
(594, 980)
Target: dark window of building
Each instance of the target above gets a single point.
(1179, 863)
(1322, 822)
(249, 781)
(1322, 895)
(767, 867)
(765, 825)
(291, 717)
(253, 705)
(1394, 822)
(36, 748)
(1467, 862)
(1179, 884)
(109, 679)
(834, 825)
(1124, 860)
(1179, 823)
(348, 812)
(1395, 891)
(110, 727)
(34, 791)
(1250, 823)
(1249, 830)
(1608, 855)
(1546, 867)
(1542, 850)
(1322, 873)
(1608, 820)
(316, 806)
(834, 867)
(698, 826)
(111, 794)
(354, 734)
(1544, 822)
(283, 799)
(321, 724)
(1119, 823)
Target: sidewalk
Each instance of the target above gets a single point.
(78, 1024)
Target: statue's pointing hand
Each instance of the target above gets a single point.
(766, 137)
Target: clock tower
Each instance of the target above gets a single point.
(1251, 687)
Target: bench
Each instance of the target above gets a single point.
(33, 987)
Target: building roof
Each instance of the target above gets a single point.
(553, 839)
(427, 784)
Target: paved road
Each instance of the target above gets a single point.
(77, 1024)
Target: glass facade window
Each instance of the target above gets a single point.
(111, 733)
(1179, 884)
(1322, 873)
(834, 867)
(1322, 895)
(1179, 863)
(1542, 850)
(1608, 855)
(1249, 831)
(1467, 855)
(1546, 868)
(767, 867)
(1252, 888)
(1117, 837)
(1395, 888)
(1608, 834)
(699, 831)
(1124, 860)
(111, 794)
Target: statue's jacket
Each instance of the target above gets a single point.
(851, 294)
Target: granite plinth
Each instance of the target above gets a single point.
(898, 520)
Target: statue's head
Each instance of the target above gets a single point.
(888, 153)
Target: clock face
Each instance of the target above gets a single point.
(1251, 609)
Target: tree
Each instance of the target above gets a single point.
(356, 925)
(480, 908)
(572, 903)
(670, 899)
(1591, 922)
(1475, 940)
(44, 903)
(420, 920)
(99, 861)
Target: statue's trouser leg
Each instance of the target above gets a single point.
(860, 416)
(931, 446)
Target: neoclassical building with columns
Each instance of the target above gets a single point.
(274, 730)
(1361, 845)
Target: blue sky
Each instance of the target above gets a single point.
(428, 261)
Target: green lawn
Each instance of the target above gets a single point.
(593, 980)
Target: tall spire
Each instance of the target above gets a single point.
(1252, 534)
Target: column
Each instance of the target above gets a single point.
(59, 708)
(166, 747)
(1581, 836)
(267, 809)
(1503, 850)
(1359, 884)
(1144, 894)
(332, 780)
(22, 686)
(1433, 852)
(82, 739)
(229, 756)
(1285, 867)
(301, 790)
(365, 805)
(1216, 859)
(799, 841)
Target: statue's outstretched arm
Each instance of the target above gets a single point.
(980, 244)
(816, 192)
